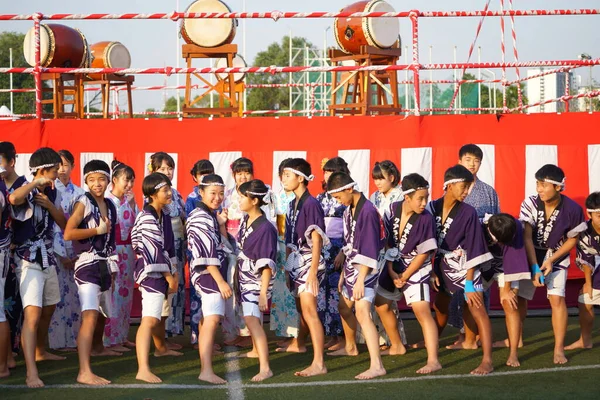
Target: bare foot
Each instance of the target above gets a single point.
(483, 369)
(147, 376)
(11, 363)
(105, 353)
(331, 342)
(168, 353)
(430, 367)
(261, 376)
(173, 346)
(129, 344)
(580, 344)
(250, 354)
(5, 374)
(339, 345)
(244, 342)
(91, 379)
(513, 361)
(504, 343)
(211, 378)
(418, 345)
(559, 357)
(233, 341)
(313, 370)
(344, 352)
(463, 346)
(45, 356)
(370, 374)
(285, 342)
(292, 348)
(34, 382)
(68, 350)
(119, 348)
(394, 351)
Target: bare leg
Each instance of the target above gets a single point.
(308, 303)
(430, 334)
(206, 338)
(159, 334)
(260, 339)
(586, 323)
(514, 328)
(142, 349)
(31, 321)
(484, 327)
(349, 323)
(98, 349)
(469, 341)
(363, 315)
(4, 348)
(10, 356)
(523, 315)
(41, 354)
(297, 345)
(559, 326)
(383, 307)
(84, 349)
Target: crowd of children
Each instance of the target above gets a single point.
(332, 267)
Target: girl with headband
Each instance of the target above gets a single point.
(553, 223)
(35, 210)
(155, 271)
(256, 267)
(462, 250)
(92, 225)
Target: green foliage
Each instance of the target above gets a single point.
(24, 103)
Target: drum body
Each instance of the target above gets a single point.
(60, 47)
(208, 32)
(352, 33)
(109, 55)
(238, 61)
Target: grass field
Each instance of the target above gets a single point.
(537, 378)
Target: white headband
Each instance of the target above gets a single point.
(201, 183)
(593, 210)
(99, 171)
(266, 196)
(557, 183)
(308, 178)
(409, 191)
(451, 181)
(34, 169)
(351, 185)
(160, 185)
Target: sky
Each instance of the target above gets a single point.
(154, 43)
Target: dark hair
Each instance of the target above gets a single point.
(255, 186)
(66, 154)
(458, 172)
(550, 171)
(96, 165)
(282, 166)
(202, 167)
(470, 149)
(44, 156)
(338, 180)
(242, 164)
(389, 168)
(300, 164)
(118, 169)
(593, 201)
(8, 151)
(210, 178)
(151, 181)
(156, 160)
(414, 181)
(503, 227)
(335, 164)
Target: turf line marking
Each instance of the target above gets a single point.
(309, 383)
(235, 386)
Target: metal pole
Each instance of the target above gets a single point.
(406, 92)
(11, 80)
(591, 90)
(37, 17)
(177, 57)
(244, 50)
(290, 63)
(431, 81)
(87, 103)
(479, 78)
(455, 79)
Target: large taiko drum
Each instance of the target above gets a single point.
(208, 32)
(352, 33)
(60, 47)
(238, 62)
(109, 55)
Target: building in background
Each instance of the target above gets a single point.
(548, 87)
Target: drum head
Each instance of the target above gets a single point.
(29, 46)
(383, 32)
(208, 32)
(238, 61)
(118, 56)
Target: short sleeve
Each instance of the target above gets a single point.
(474, 242)
(514, 258)
(267, 255)
(586, 254)
(576, 221)
(367, 239)
(427, 240)
(202, 242)
(528, 212)
(314, 220)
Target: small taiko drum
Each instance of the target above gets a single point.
(238, 62)
(60, 47)
(352, 33)
(208, 32)
(109, 55)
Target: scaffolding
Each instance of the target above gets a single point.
(310, 90)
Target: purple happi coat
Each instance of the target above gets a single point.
(509, 259)
(588, 252)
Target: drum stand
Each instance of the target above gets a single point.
(365, 92)
(63, 93)
(107, 81)
(227, 90)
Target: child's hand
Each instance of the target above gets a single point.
(435, 281)
(43, 201)
(546, 267)
(341, 284)
(222, 217)
(103, 226)
(263, 302)
(338, 262)
(41, 183)
(225, 290)
(395, 279)
(359, 290)
(587, 289)
(312, 283)
(510, 297)
(537, 280)
(474, 299)
(172, 283)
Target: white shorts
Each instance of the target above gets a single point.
(152, 304)
(38, 288)
(301, 289)
(369, 295)
(166, 308)
(412, 293)
(594, 300)
(212, 304)
(91, 298)
(525, 287)
(251, 310)
(556, 283)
